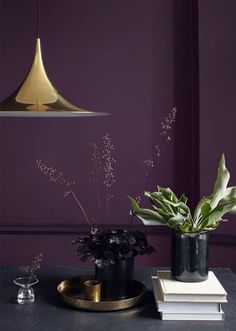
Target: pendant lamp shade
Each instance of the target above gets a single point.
(37, 97)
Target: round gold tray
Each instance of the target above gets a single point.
(71, 291)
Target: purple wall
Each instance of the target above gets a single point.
(217, 52)
(217, 48)
(134, 59)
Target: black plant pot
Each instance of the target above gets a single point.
(116, 279)
(189, 257)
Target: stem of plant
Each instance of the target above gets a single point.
(107, 202)
(131, 220)
(30, 276)
(81, 207)
(98, 192)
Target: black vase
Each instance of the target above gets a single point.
(116, 279)
(189, 256)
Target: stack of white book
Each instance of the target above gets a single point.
(189, 301)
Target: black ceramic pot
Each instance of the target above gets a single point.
(189, 257)
(116, 279)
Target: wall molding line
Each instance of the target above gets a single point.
(80, 229)
(216, 237)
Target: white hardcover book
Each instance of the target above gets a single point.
(172, 316)
(182, 306)
(209, 290)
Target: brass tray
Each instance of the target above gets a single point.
(71, 291)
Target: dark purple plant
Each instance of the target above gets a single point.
(107, 246)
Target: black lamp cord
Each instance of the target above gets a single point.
(38, 15)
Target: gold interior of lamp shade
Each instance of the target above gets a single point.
(38, 97)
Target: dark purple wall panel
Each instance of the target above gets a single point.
(109, 56)
(217, 49)
(104, 57)
(134, 59)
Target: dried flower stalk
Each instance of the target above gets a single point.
(166, 126)
(109, 160)
(97, 168)
(58, 177)
(34, 267)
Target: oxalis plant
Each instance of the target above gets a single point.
(168, 209)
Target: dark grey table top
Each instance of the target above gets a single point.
(48, 312)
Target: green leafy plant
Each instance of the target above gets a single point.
(168, 209)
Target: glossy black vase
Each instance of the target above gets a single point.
(116, 279)
(189, 257)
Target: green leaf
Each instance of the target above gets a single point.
(178, 205)
(203, 226)
(167, 193)
(170, 199)
(229, 193)
(177, 219)
(205, 209)
(147, 216)
(156, 199)
(160, 211)
(183, 198)
(212, 218)
(186, 228)
(198, 209)
(220, 183)
(222, 208)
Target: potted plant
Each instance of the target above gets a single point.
(113, 252)
(189, 260)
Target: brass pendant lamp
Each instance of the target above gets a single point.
(37, 97)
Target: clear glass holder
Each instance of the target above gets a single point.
(26, 292)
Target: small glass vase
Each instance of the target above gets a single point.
(26, 292)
